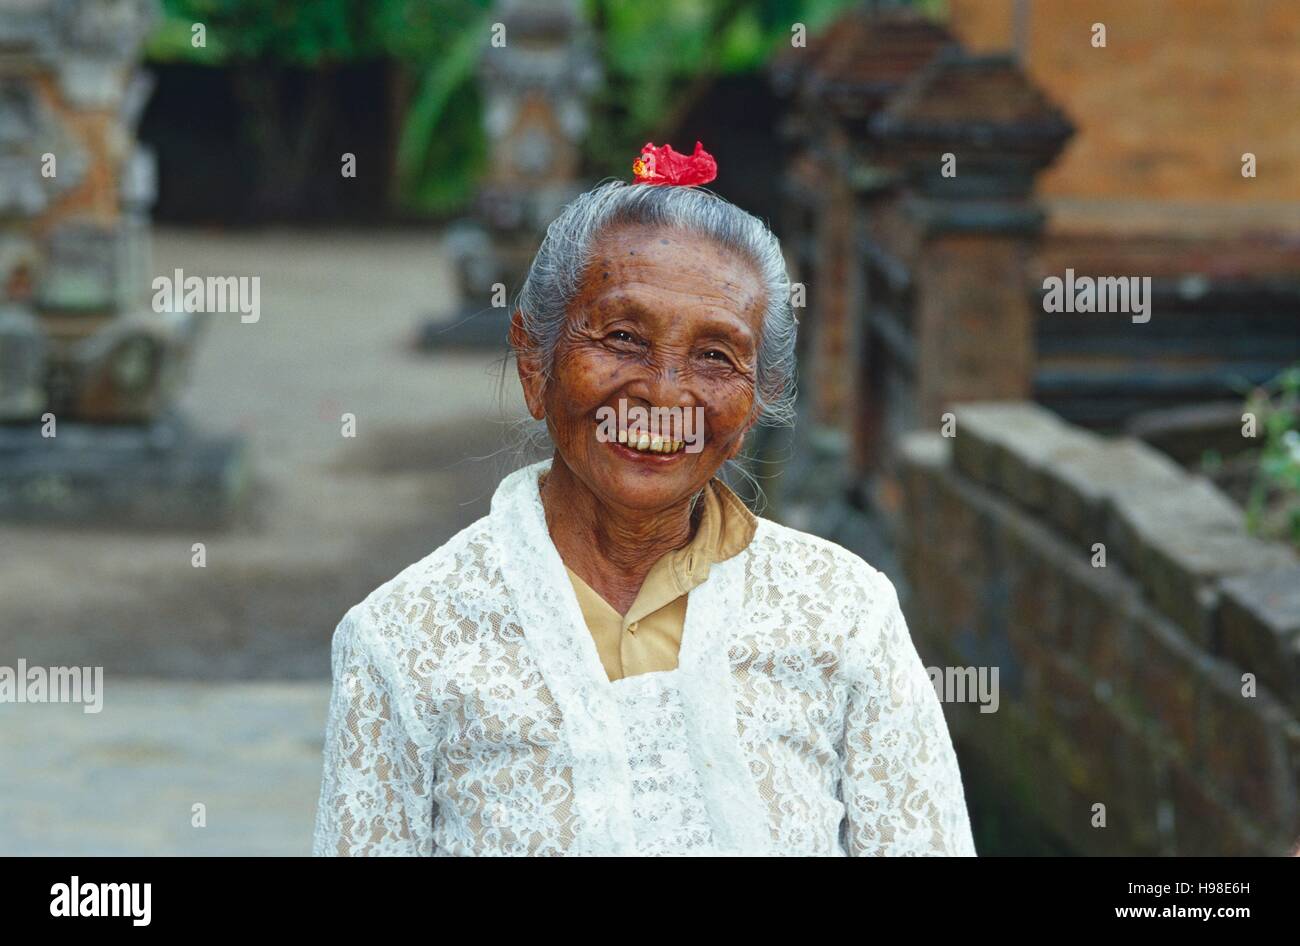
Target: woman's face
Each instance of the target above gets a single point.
(665, 320)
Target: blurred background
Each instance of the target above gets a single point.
(1104, 507)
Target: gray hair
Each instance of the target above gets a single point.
(557, 270)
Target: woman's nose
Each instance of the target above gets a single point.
(662, 385)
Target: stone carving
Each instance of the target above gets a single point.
(74, 190)
(82, 353)
(535, 92)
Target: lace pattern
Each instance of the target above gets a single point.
(669, 815)
(470, 714)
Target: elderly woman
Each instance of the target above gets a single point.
(620, 658)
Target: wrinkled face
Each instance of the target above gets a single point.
(659, 350)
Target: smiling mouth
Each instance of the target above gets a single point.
(650, 443)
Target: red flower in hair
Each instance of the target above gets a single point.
(666, 166)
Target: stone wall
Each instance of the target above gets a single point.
(1121, 684)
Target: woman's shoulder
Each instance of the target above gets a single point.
(805, 550)
(785, 560)
(462, 566)
(396, 636)
(826, 580)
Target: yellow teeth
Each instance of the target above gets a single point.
(652, 443)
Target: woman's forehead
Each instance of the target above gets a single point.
(629, 259)
(662, 244)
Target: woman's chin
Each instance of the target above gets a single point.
(648, 484)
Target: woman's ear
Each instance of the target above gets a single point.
(530, 373)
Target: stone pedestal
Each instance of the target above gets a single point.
(154, 475)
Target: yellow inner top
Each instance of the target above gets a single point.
(649, 636)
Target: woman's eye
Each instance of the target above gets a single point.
(621, 336)
(714, 354)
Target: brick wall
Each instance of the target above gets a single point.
(1165, 111)
(1119, 685)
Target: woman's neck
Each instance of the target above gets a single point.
(610, 548)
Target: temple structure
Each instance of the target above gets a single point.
(957, 429)
(88, 370)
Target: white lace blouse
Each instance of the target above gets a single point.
(471, 714)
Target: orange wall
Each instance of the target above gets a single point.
(1165, 111)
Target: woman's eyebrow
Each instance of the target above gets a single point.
(725, 328)
(728, 330)
(625, 305)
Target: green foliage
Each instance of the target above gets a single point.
(658, 59)
(288, 32)
(442, 145)
(1274, 507)
(441, 149)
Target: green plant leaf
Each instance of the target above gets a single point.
(441, 79)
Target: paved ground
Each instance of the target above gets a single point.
(332, 518)
(127, 780)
